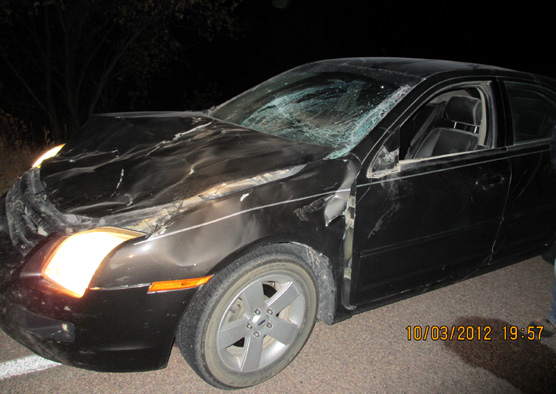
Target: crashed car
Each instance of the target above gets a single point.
(333, 188)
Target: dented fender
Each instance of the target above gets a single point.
(305, 208)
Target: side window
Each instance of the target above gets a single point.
(453, 122)
(533, 112)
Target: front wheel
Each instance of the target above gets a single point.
(250, 320)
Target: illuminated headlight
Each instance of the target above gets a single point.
(74, 262)
(47, 155)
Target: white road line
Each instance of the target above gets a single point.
(24, 365)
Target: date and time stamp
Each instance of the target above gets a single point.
(472, 333)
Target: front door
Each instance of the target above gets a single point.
(438, 213)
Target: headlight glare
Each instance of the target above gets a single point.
(47, 155)
(74, 262)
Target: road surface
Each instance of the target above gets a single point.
(369, 353)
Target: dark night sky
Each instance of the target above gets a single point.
(280, 34)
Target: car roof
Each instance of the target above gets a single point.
(421, 68)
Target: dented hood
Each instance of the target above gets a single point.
(122, 162)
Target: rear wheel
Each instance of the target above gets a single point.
(250, 320)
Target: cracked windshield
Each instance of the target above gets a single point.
(330, 105)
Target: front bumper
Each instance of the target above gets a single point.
(117, 330)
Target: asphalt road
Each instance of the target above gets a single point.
(369, 353)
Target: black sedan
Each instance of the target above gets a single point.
(330, 189)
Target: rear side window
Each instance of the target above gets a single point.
(533, 112)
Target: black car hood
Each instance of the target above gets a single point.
(123, 162)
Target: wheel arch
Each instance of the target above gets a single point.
(317, 262)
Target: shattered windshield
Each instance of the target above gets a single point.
(325, 104)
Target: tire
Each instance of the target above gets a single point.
(251, 320)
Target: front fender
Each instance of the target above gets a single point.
(308, 208)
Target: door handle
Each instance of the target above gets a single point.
(488, 181)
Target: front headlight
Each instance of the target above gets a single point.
(47, 155)
(74, 262)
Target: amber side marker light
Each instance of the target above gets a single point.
(178, 284)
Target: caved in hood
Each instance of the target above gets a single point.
(123, 162)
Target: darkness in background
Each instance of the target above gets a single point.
(280, 34)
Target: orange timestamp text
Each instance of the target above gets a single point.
(471, 333)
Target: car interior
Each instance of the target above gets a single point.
(451, 123)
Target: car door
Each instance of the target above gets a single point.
(530, 217)
(430, 204)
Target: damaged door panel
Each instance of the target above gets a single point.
(435, 213)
